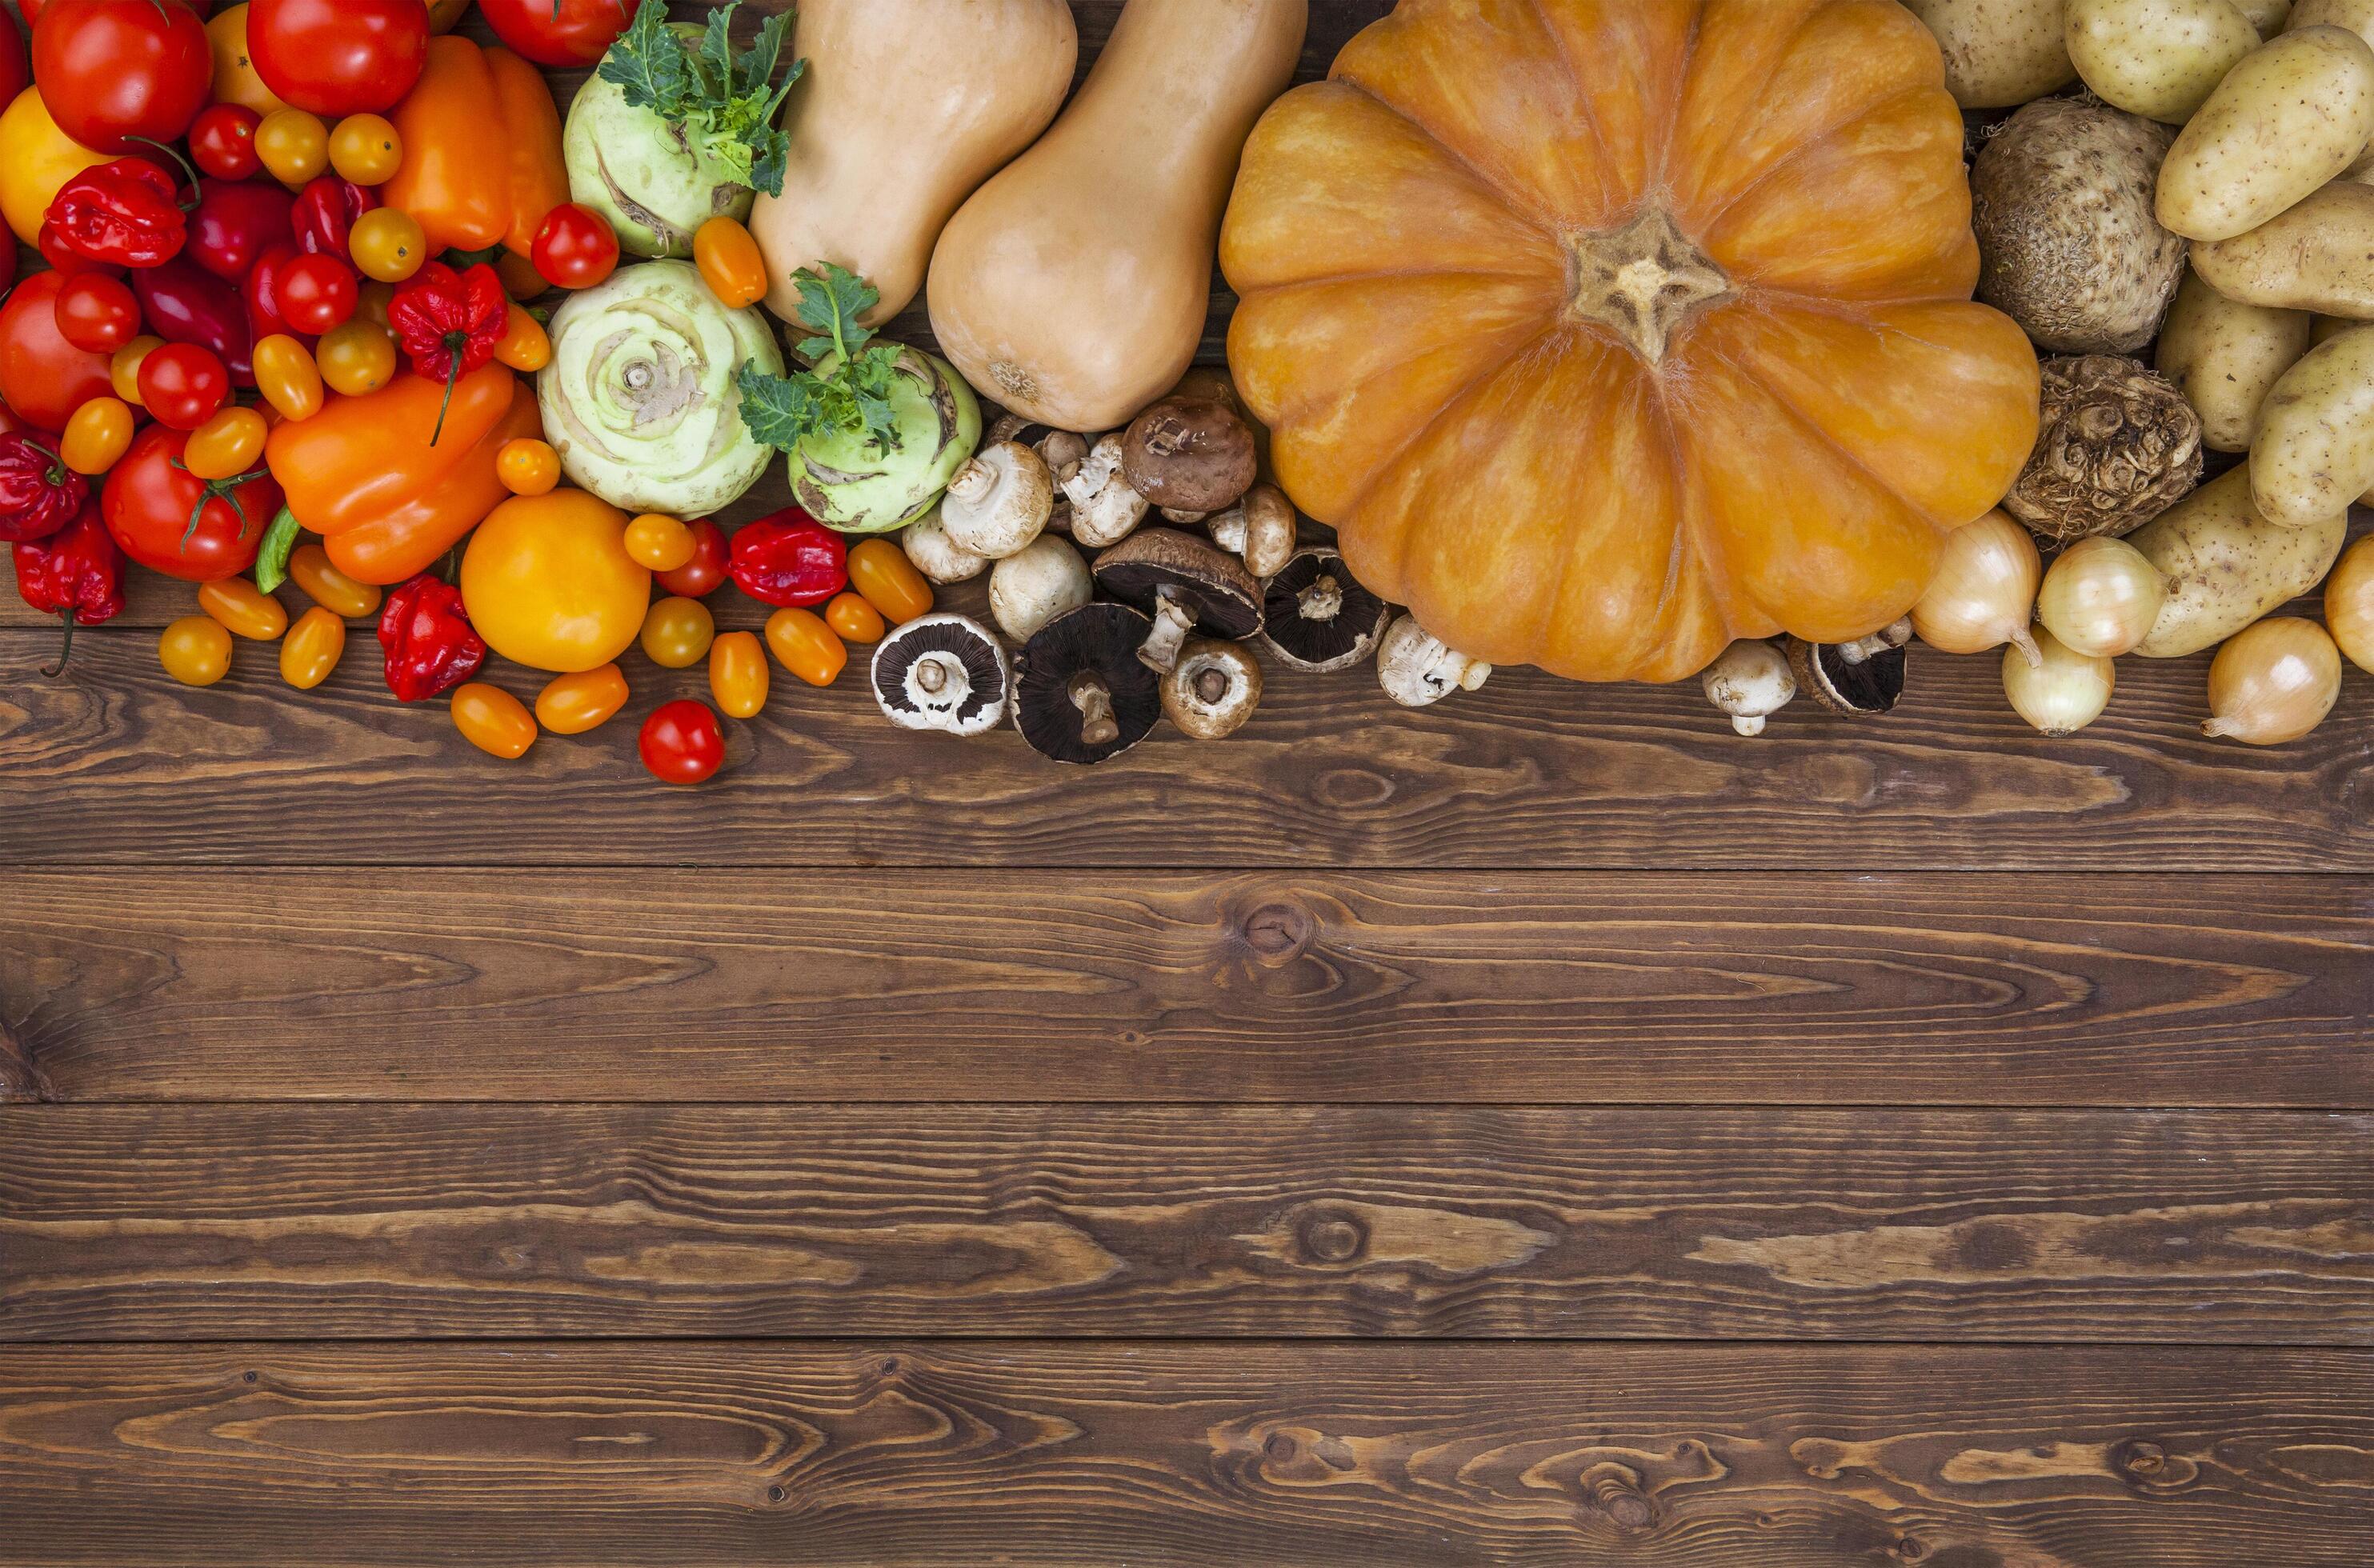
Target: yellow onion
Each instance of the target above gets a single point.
(1983, 592)
(2062, 692)
(2272, 681)
(2349, 604)
(2101, 597)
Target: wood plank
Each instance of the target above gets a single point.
(965, 986)
(306, 1222)
(746, 1455)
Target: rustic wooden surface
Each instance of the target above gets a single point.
(1542, 1129)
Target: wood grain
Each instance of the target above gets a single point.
(289, 1221)
(962, 986)
(743, 1454)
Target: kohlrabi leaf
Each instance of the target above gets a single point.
(853, 394)
(723, 99)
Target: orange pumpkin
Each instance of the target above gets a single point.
(1609, 330)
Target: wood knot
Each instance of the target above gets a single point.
(1279, 1446)
(21, 1079)
(1911, 1551)
(1331, 1238)
(1616, 1490)
(2140, 1458)
(776, 1495)
(1278, 934)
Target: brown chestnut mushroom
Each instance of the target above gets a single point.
(1080, 693)
(1186, 585)
(1213, 689)
(1859, 679)
(1316, 617)
(1189, 455)
(1259, 529)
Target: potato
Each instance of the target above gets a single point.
(2158, 58)
(2318, 256)
(2358, 15)
(1999, 52)
(2314, 451)
(2267, 16)
(2292, 115)
(2227, 565)
(2225, 357)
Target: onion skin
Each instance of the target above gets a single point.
(2062, 692)
(2349, 604)
(2273, 682)
(2100, 598)
(1983, 592)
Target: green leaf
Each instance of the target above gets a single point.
(853, 395)
(830, 302)
(648, 63)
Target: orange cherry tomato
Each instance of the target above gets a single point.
(294, 146)
(737, 674)
(521, 280)
(677, 631)
(570, 705)
(355, 358)
(97, 435)
(659, 542)
(125, 369)
(366, 149)
(387, 245)
(244, 608)
(493, 720)
(287, 376)
(806, 647)
(195, 650)
(854, 619)
(528, 467)
(328, 587)
(313, 649)
(881, 571)
(228, 443)
(373, 299)
(730, 262)
(524, 346)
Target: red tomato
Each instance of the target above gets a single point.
(700, 576)
(15, 68)
(316, 293)
(222, 141)
(575, 248)
(43, 375)
(558, 32)
(182, 385)
(115, 70)
(338, 56)
(96, 312)
(681, 743)
(151, 500)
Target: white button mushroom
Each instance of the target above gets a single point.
(933, 554)
(1037, 583)
(999, 501)
(1750, 681)
(1417, 669)
(945, 672)
(1104, 509)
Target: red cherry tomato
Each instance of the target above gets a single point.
(700, 576)
(558, 32)
(43, 375)
(682, 744)
(576, 247)
(222, 141)
(170, 520)
(182, 385)
(116, 73)
(16, 68)
(316, 293)
(338, 57)
(96, 312)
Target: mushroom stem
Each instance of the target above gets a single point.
(1323, 601)
(973, 482)
(1172, 621)
(1748, 723)
(1094, 699)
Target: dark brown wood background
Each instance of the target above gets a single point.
(1542, 1129)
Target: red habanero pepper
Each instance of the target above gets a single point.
(431, 646)
(38, 493)
(451, 323)
(76, 574)
(789, 558)
(127, 212)
(325, 213)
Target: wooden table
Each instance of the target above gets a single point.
(1543, 1128)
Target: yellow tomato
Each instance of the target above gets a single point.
(548, 582)
(570, 705)
(881, 572)
(244, 608)
(660, 541)
(287, 376)
(125, 369)
(226, 444)
(97, 435)
(195, 650)
(851, 617)
(387, 245)
(36, 158)
(373, 299)
(524, 346)
(236, 80)
(808, 648)
(328, 587)
(528, 467)
(366, 149)
(729, 261)
(294, 146)
(444, 14)
(493, 720)
(677, 632)
(521, 280)
(356, 357)
(737, 674)
(311, 648)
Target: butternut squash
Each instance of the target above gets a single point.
(905, 108)
(1074, 287)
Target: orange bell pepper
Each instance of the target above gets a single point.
(362, 472)
(482, 162)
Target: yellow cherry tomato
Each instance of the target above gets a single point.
(677, 632)
(236, 78)
(444, 14)
(373, 299)
(521, 280)
(244, 608)
(195, 650)
(570, 705)
(125, 369)
(850, 615)
(524, 346)
(366, 149)
(357, 357)
(98, 434)
(228, 443)
(287, 376)
(311, 648)
(528, 467)
(660, 541)
(36, 158)
(328, 587)
(493, 720)
(737, 674)
(880, 570)
(729, 261)
(548, 583)
(805, 646)
(294, 146)
(387, 245)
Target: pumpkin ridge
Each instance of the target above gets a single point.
(1728, 132)
(1573, 76)
(1489, 183)
(1805, 146)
